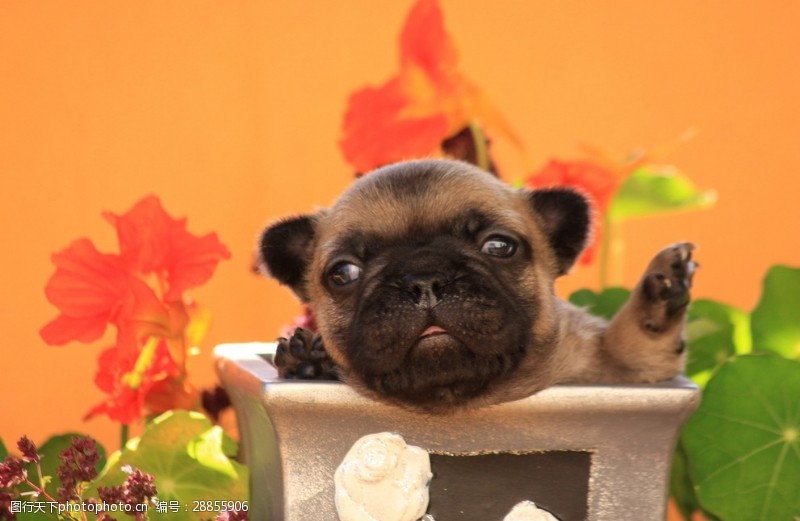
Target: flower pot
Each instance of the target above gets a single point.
(580, 452)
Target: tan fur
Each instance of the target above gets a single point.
(642, 343)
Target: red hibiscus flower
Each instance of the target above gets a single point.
(426, 102)
(139, 291)
(596, 182)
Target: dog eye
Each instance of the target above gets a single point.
(498, 246)
(344, 273)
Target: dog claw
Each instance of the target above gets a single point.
(303, 357)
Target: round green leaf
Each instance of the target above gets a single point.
(190, 460)
(716, 332)
(776, 318)
(603, 304)
(743, 442)
(681, 487)
(653, 190)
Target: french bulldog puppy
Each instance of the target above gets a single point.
(432, 286)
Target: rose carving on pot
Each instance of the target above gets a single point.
(382, 479)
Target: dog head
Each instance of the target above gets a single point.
(432, 281)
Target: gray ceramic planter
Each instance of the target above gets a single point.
(582, 452)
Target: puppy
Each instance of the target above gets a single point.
(432, 286)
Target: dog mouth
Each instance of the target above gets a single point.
(441, 369)
(434, 345)
(436, 340)
(433, 331)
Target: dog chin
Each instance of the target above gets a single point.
(440, 374)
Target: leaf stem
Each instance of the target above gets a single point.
(481, 151)
(124, 433)
(605, 251)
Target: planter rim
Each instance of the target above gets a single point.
(252, 358)
(295, 433)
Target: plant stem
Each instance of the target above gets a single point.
(605, 251)
(41, 490)
(41, 477)
(123, 435)
(481, 152)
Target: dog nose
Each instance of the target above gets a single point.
(424, 289)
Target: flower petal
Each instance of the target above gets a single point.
(142, 233)
(407, 117)
(87, 288)
(424, 42)
(151, 241)
(63, 329)
(125, 402)
(124, 407)
(597, 183)
(191, 261)
(431, 79)
(111, 365)
(376, 132)
(428, 101)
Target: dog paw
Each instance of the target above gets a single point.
(303, 357)
(666, 285)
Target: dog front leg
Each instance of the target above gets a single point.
(645, 340)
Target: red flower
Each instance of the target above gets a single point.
(596, 182)
(146, 368)
(128, 378)
(124, 403)
(151, 241)
(88, 288)
(427, 101)
(92, 289)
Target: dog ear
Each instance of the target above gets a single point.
(285, 251)
(566, 218)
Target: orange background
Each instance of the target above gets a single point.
(230, 112)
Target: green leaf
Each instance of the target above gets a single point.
(681, 487)
(716, 332)
(743, 442)
(190, 461)
(3, 450)
(776, 318)
(604, 304)
(653, 190)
